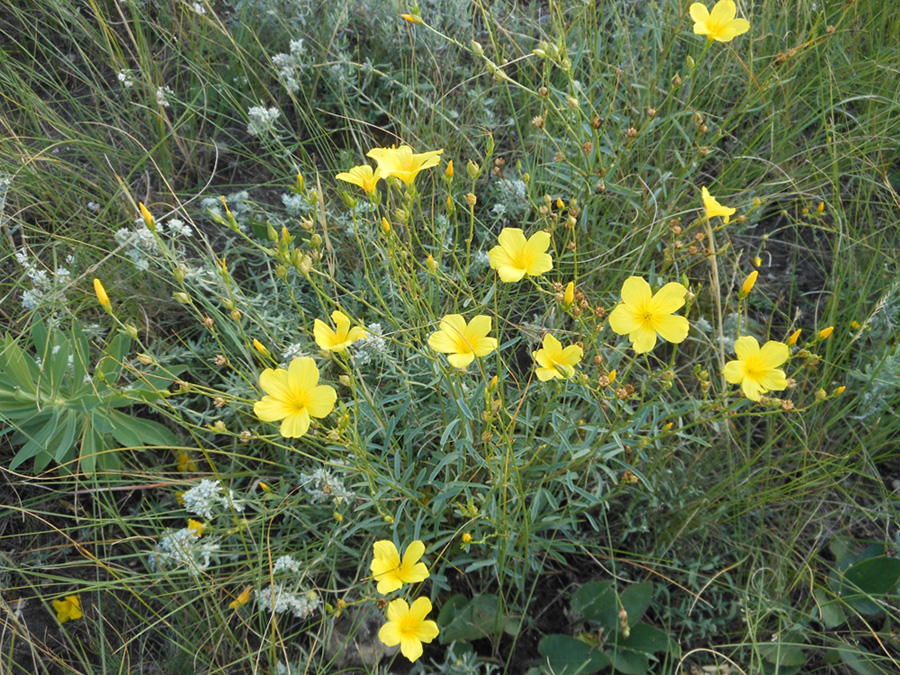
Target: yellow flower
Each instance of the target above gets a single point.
(198, 527)
(466, 538)
(402, 163)
(554, 361)
(408, 627)
(242, 599)
(569, 295)
(463, 342)
(390, 572)
(749, 283)
(385, 226)
(363, 176)
(515, 257)
(69, 608)
(825, 333)
(714, 208)
(792, 340)
(101, 294)
(293, 396)
(756, 369)
(642, 315)
(337, 340)
(260, 347)
(720, 24)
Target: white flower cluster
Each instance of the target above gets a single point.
(208, 498)
(290, 353)
(44, 287)
(278, 601)
(296, 205)
(162, 96)
(323, 485)
(137, 243)
(198, 8)
(182, 548)
(290, 65)
(262, 121)
(286, 563)
(373, 346)
(126, 77)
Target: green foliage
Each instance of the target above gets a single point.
(58, 407)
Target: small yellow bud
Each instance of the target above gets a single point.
(792, 340)
(301, 184)
(385, 225)
(451, 207)
(412, 18)
(338, 517)
(432, 263)
(749, 282)
(148, 217)
(466, 538)
(667, 427)
(612, 376)
(260, 348)
(820, 209)
(839, 391)
(821, 395)
(493, 383)
(569, 295)
(560, 204)
(855, 325)
(264, 487)
(449, 171)
(825, 333)
(101, 295)
(757, 261)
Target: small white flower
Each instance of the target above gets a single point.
(126, 77)
(162, 96)
(262, 120)
(198, 8)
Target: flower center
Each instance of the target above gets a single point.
(409, 626)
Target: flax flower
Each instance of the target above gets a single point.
(515, 257)
(336, 340)
(720, 24)
(102, 297)
(390, 572)
(756, 369)
(714, 208)
(69, 608)
(554, 361)
(642, 315)
(363, 176)
(402, 163)
(462, 341)
(294, 395)
(408, 627)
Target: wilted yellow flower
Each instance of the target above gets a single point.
(462, 341)
(148, 217)
(363, 176)
(556, 362)
(515, 257)
(569, 295)
(756, 369)
(294, 395)
(642, 315)
(720, 24)
(411, 18)
(408, 627)
(402, 163)
(855, 325)
(825, 333)
(714, 208)
(792, 340)
(337, 340)
(102, 297)
(69, 608)
(390, 572)
(242, 599)
(185, 463)
(466, 538)
(198, 527)
(749, 283)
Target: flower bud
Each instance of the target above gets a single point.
(385, 226)
(131, 331)
(749, 282)
(471, 199)
(825, 333)
(839, 391)
(473, 170)
(569, 296)
(102, 297)
(183, 298)
(477, 48)
(792, 340)
(148, 217)
(449, 171)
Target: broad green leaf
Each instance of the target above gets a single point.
(564, 655)
(859, 662)
(646, 638)
(829, 609)
(14, 363)
(480, 617)
(37, 435)
(628, 662)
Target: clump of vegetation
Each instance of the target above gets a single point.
(452, 337)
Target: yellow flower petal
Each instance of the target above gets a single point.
(296, 424)
(672, 329)
(669, 298)
(636, 291)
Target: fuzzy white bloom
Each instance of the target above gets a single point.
(278, 601)
(162, 96)
(207, 499)
(177, 226)
(126, 77)
(262, 120)
(291, 65)
(286, 563)
(323, 485)
(182, 548)
(198, 8)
